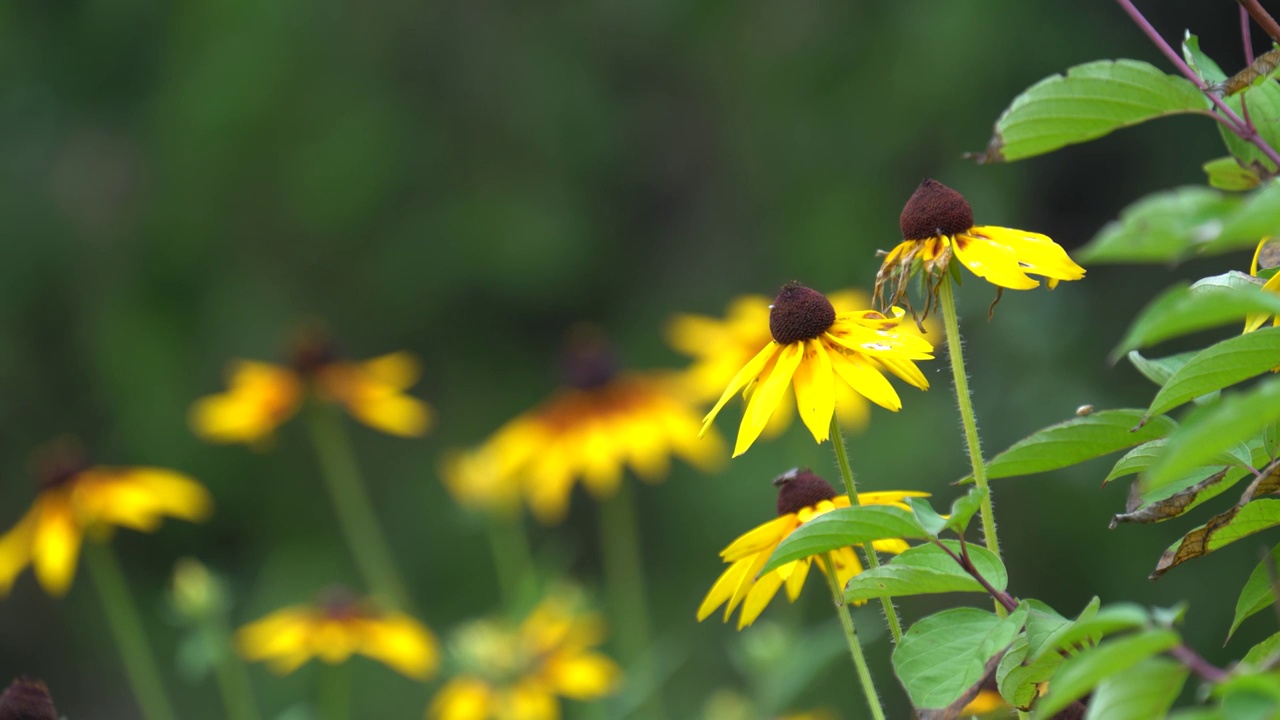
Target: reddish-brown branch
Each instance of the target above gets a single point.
(1262, 17)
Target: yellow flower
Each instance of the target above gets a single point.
(802, 496)
(721, 347)
(603, 422)
(76, 499)
(1265, 261)
(521, 673)
(260, 396)
(334, 630)
(937, 223)
(816, 349)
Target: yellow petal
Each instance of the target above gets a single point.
(394, 414)
(760, 539)
(748, 581)
(748, 374)
(795, 582)
(401, 643)
(139, 497)
(55, 544)
(335, 640)
(992, 261)
(463, 698)
(260, 398)
(530, 700)
(1036, 253)
(888, 341)
(889, 497)
(815, 389)
(582, 676)
(397, 370)
(761, 593)
(1255, 321)
(15, 549)
(766, 396)
(724, 588)
(863, 377)
(284, 633)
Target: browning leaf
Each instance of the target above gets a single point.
(1246, 518)
(1170, 507)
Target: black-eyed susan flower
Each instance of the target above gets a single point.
(1265, 258)
(720, 347)
(813, 349)
(937, 224)
(339, 626)
(802, 496)
(27, 699)
(600, 423)
(521, 673)
(262, 396)
(77, 499)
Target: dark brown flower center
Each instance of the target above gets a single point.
(27, 699)
(340, 603)
(933, 210)
(589, 361)
(58, 462)
(313, 349)
(799, 313)
(799, 489)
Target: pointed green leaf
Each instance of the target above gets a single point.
(1093, 624)
(943, 655)
(1018, 679)
(1085, 103)
(1220, 531)
(926, 570)
(1225, 173)
(929, 519)
(1159, 370)
(844, 527)
(1144, 691)
(964, 508)
(1145, 455)
(1259, 591)
(1184, 309)
(1219, 366)
(1264, 106)
(1077, 440)
(1216, 428)
(1044, 623)
(1258, 216)
(1263, 651)
(1082, 673)
(1163, 227)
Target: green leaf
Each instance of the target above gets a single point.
(1258, 216)
(926, 570)
(1178, 498)
(1093, 624)
(943, 655)
(1077, 440)
(1184, 309)
(1082, 673)
(1222, 530)
(1018, 679)
(1225, 173)
(964, 508)
(1162, 227)
(1219, 366)
(1216, 428)
(929, 519)
(1085, 103)
(1147, 454)
(844, 527)
(1264, 106)
(1146, 690)
(1263, 651)
(1159, 370)
(1258, 593)
(1044, 623)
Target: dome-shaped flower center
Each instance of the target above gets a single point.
(589, 361)
(26, 699)
(58, 462)
(799, 313)
(934, 210)
(799, 489)
(313, 349)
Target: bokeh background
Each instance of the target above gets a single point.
(184, 183)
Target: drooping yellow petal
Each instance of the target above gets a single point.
(138, 498)
(393, 414)
(766, 586)
(724, 588)
(878, 342)
(992, 261)
(860, 375)
(748, 374)
(398, 370)
(259, 399)
(284, 633)
(764, 537)
(889, 497)
(1254, 321)
(766, 396)
(815, 389)
(463, 698)
(906, 370)
(748, 581)
(530, 700)
(1036, 253)
(795, 581)
(582, 676)
(15, 549)
(891, 545)
(55, 544)
(402, 644)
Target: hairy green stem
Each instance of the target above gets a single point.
(126, 625)
(873, 560)
(851, 636)
(354, 509)
(624, 575)
(947, 299)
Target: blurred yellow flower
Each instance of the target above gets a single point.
(720, 348)
(802, 496)
(987, 703)
(338, 627)
(601, 423)
(937, 223)
(76, 498)
(811, 347)
(521, 673)
(261, 396)
(1265, 257)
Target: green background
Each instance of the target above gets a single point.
(186, 183)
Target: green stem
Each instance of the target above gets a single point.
(354, 509)
(126, 625)
(851, 636)
(233, 681)
(335, 693)
(512, 558)
(946, 296)
(851, 487)
(624, 574)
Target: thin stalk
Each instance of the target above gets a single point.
(512, 558)
(624, 575)
(873, 560)
(126, 625)
(947, 299)
(1262, 17)
(233, 681)
(851, 637)
(354, 509)
(335, 693)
